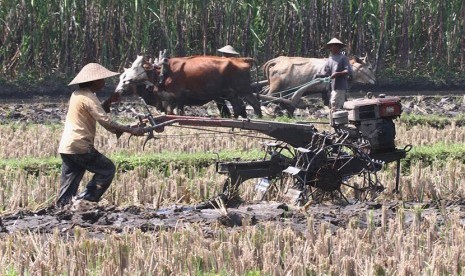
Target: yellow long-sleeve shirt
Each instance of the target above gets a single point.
(83, 112)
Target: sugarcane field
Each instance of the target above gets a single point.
(156, 137)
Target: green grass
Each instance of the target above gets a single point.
(435, 121)
(440, 153)
(127, 162)
(432, 120)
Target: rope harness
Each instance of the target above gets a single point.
(294, 90)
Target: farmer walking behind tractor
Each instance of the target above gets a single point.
(339, 69)
(77, 142)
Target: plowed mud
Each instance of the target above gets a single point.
(101, 220)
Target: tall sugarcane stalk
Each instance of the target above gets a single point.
(44, 38)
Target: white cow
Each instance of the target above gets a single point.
(285, 73)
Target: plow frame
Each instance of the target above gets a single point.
(328, 155)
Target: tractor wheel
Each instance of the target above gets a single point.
(338, 172)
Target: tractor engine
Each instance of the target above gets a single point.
(370, 120)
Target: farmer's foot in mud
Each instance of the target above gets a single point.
(63, 202)
(82, 205)
(90, 195)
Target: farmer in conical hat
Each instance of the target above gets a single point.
(228, 51)
(339, 69)
(77, 142)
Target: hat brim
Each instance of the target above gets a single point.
(228, 50)
(92, 72)
(338, 44)
(335, 41)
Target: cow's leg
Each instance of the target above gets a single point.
(181, 110)
(238, 107)
(253, 101)
(168, 108)
(223, 108)
(177, 109)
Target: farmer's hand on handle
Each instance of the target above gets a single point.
(320, 76)
(141, 123)
(136, 131)
(341, 73)
(115, 97)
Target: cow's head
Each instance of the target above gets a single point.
(134, 75)
(138, 80)
(363, 71)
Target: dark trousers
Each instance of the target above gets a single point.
(73, 168)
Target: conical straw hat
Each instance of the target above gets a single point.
(228, 49)
(91, 72)
(335, 41)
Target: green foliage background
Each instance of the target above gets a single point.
(424, 38)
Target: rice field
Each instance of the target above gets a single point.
(418, 231)
(423, 244)
(267, 249)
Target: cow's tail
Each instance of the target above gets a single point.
(267, 66)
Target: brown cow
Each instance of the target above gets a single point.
(193, 80)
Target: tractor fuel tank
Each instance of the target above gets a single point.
(362, 109)
(389, 107)
(375, 108)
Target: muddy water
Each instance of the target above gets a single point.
(104, 219)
